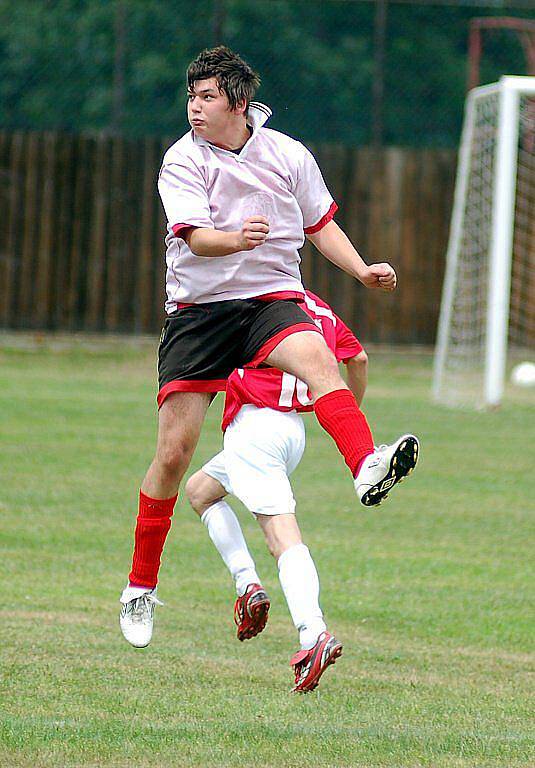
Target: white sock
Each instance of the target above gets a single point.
(226, 533)
(300, 584)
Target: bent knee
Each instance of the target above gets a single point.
(202, 491)
(193, 491)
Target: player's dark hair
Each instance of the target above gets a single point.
(235, 78)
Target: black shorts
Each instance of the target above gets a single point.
(202, 344)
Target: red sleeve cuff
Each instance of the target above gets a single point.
(323, 221)
(180, 229)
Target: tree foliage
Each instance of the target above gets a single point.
(61, 64)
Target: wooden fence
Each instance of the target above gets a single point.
(82, 228)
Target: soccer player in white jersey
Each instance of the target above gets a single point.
(264, 440)
(240, 199)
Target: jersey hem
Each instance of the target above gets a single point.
(273, 296)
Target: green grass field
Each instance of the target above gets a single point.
(431, 593)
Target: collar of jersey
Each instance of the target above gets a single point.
(257, 116)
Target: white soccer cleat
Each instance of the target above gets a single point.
(137, 615)
(384, 468)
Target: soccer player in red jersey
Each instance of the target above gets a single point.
(240, 198)
(264, 440)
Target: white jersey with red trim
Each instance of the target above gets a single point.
(271, 388)
(202, 185)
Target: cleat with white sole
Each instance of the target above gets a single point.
(137, 615)
(387, 466)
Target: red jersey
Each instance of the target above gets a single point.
(271, 388)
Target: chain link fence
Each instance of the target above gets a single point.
(351, 72)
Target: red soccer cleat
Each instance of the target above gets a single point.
(251, 612)
(310, 665)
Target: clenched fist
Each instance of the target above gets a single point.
(380, 276)
(253, 233)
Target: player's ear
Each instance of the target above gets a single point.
(241, 107)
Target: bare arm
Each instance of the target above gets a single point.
(215, 242)
(334, 244)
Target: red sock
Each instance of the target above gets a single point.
(152, 527)
(339, 414)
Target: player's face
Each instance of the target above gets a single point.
(208, 110)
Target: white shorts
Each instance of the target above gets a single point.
(261, 448)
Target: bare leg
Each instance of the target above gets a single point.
(307, 356)
(179, 425)
(280, 531)
(180, 420)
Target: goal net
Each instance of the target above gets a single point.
(487, 316)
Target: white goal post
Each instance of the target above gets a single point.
(491, 247)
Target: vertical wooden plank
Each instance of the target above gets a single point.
(425, 214)
(146, 253)
(134, 203)
(43, 268)
(391, 309)
(410, 253)
(30, 230)
(78, 256)
(384, 239)
(117, 224)
(65, 171)
(96, 272)
(432, 250)
(8, 297)
(5, 189)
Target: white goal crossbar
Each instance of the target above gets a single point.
(507, 93)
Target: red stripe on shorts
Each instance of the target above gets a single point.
(270, 344)
(190, 385)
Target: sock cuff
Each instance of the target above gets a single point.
(343, 396)
(292, 551)
(218, 506)
(155, 508)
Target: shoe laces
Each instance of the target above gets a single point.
(143, 608)
(299, 661)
